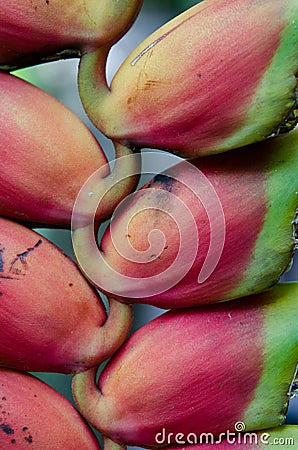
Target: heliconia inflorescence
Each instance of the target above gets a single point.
(47, 153)
(228, 226)
(219, 76)
(37, 31)
(34, 415)
(198, 370)
(51, 319)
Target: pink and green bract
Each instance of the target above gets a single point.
(219, 76)
(51, 319)
(198, 370)
(32, 32)
(257, 189)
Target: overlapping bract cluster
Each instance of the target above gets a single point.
(221, 77)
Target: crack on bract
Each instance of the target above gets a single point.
(295, 229)
(293, 390)
(291, 119)
(22, 256)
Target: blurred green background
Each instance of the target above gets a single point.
(59, 79)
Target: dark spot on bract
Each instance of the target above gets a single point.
(164, 180)
(29, 439)
(6, 428)
(13, 441)
(70, 284)
(25, 428)
(4, 398)
(1, 260)
(130, 101)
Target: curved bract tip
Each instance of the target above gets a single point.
(88, 398)
(103, 193)
(92, 83)
(108, 444)
(115, 330)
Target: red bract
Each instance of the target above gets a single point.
(32, 32)
(33, 415)
(218, 76)
(198, 370)
(216, 229)
(51, 318)
(47, 153)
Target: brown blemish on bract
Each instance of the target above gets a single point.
(22, 258)
(165, 181)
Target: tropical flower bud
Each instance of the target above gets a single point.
(219, 76)
(218, 228)
(47, 153)
(34, 415)
(199, 370)
(34, 32)
(51, 319)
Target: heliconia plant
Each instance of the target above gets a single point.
(198, 370)
(47, 153)
(228, 223)
(35, 32)
(34, 415)
(51, 318)
(219, 76)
